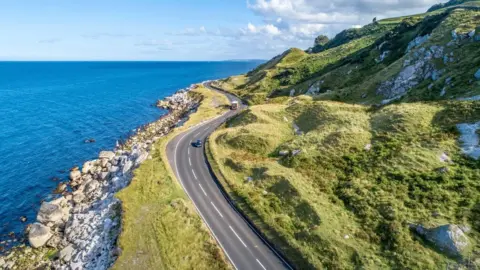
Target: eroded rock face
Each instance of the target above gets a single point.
(38, 235)
(314, 89)
(449, 238)
(417, 67)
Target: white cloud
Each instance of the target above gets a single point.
(306, 31)
(336, 11)
(296, 23)
(267, 29)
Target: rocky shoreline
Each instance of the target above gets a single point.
(79, 230)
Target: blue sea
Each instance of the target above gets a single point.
(48, 110)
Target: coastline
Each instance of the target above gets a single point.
(80, 228)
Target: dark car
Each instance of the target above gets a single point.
(197, 143)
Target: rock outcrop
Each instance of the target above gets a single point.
(417, 67)
(449, 238)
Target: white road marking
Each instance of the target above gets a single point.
(203, 190)
(198, 210)
(206, 129)
(261, 265)
(189, 161)
(196, 135)
(216, 209)
(194, 175)
(188, 151)
(237, 236)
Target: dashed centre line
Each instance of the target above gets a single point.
(261, 264)
(216, 209)
(203, 190)
(194, 175)
(237, 236)
(189, 161)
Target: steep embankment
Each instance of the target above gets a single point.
(376, 170)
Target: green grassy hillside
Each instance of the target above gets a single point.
(370, 59)
(343, 193)
(362, 172)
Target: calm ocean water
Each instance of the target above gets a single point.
(48, 109)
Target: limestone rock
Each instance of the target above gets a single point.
(106, 155)
(78, 198)
(38, 235)
(49, 212)
(114, 169)
(141, 158)
(314, 89)
(75, 175)
(88, 167)
(104, 176)
(477, 74)
(292, 93)
(91, 186)
(126, 168)
(61, 187)
(66, 253)
(449, 238)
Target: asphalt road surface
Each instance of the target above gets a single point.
(242, 245)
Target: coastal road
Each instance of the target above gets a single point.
(243, 246)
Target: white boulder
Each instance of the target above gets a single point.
(49, 212)
(106, 155)
(75, 175)
(38, 235)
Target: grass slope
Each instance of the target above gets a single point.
(340, 205)
(353, 56)
(161, 229)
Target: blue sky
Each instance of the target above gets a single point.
(180, 29)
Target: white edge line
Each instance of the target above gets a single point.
(251, 227)
(196, 207)
(261, 264)
(203, 189)
(216, 238)
(237, 236)
(217, 209)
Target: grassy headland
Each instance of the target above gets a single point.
(161, 229)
